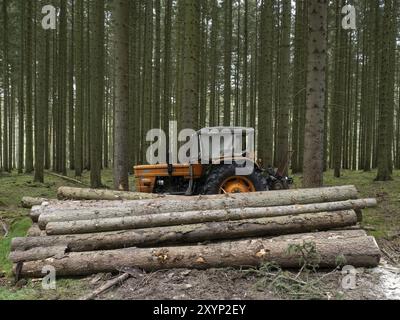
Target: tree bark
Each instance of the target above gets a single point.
(189, 113)
(37, 253)
(97, 93)
(171, 219)
(150, 237)
(101, 194)
(358, 252)
(121, 131)
(191, 233)
(227, 4)
(29, 202)
(265, 85)
(34, 231)
(90, 210)
(316, 72)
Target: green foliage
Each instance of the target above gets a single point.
(288, 285)
(309, 258)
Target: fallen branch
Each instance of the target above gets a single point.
(108, 285)
(69, 179)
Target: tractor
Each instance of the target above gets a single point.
(214, 168)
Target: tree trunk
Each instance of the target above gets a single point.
(101, 194)
(265, 124)
(37, 254)
(29, 93)
(80, 92)
(227, 60)
(29, 202)
(189, 111)
(314, 131)
(147, 75)
(105, 209)
(41, 109)
(180, 234)
(171, 219)
(97, 94)
(386, 94)
(167, 76)
(282, 147)
(157, 236)
(35, 232)
(358, 252)
(121, 131)
(6, 91)
(21, 92)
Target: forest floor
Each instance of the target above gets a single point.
(383, 282)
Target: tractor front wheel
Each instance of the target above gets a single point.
(223, 179)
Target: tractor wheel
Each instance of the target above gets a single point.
(223, 179)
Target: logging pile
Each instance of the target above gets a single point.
(105, 231)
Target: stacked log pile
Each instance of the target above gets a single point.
(79, 237)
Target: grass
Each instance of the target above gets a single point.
(12, 188)
(383, 221)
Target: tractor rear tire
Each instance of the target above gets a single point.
(221, 173)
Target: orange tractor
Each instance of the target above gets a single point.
(214, 169)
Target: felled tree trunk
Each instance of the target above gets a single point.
(358, 252)
(37, 253)
(198, 203)
(172, 219)
(29, 202)
(34, 231)
(192, 233)
(101, 194)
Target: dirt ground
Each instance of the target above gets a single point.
(221, 284)
(379, 283)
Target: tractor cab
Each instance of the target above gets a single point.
(221, 160)
(224, 144)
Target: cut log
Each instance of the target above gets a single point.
(34, 231)
(37, 253)
(123, 239)
(101, 194)
(192, 217)
(358, 252)
(198, 203)
(193, 233)
(29, 202)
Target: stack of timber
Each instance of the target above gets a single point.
(86, 236)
